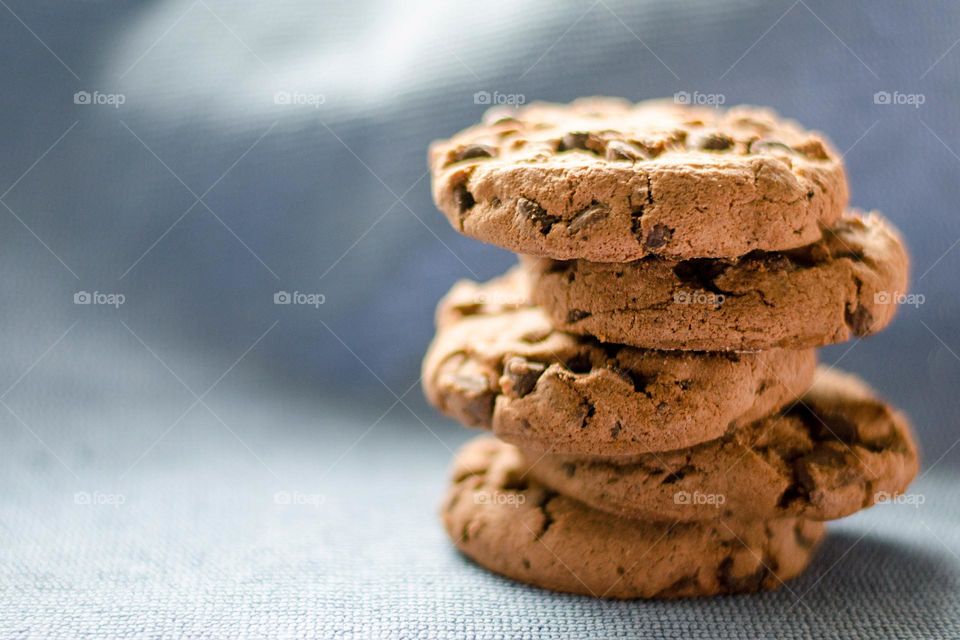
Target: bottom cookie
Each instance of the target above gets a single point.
(516, 527)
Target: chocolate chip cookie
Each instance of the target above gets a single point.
(837, 451)
(606, 180)
(515, 526)
(497, 363)
(846, 285)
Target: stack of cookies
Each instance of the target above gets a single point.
(649, 367)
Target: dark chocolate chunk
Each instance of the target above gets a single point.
(472, 151)
(463, 199)
(619, 150)
(715, 142)
(522, 376)
(574, 140)
(537, 214)
(659, 236)
(588, 217)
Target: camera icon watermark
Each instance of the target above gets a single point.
(114, 300)
(497, 98)
(715, 500)
(706, 298)
(699, 99)
(297, 498)
(114, 100)
(912, 499)
(99, 498)
(299, 298)
(498, 498)
(299, 99)
(895, 297)
(896, 98)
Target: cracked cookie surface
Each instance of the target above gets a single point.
(844, 286)
(516, 527)
(610, 181)
(497, 363)
(837, 451)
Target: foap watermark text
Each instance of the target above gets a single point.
(114, 100)
(99, 298)
(299, 298)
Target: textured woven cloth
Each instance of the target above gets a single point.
(204, 539)
(200, 462)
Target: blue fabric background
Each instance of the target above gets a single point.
(148, 448)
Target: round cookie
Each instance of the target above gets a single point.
(837, 451)
(497, 363)
(518, 528)
(606, 180)
(845, 285)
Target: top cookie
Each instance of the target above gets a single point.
(606, 180)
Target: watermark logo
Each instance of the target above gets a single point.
(99, 499)
(96, 98)
(912, 499)
(707, 298)
(699, 499)
(699, 99)
(99, 298)
(512, 99)
(498, 498)
(299, 298)
(896, 98)
(895, 297)
(296, 498)
(299, 99)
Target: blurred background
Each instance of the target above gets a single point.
(181, 162)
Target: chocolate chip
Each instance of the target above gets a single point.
(678, 475)
(532, 211)
(472, 151)
(636, 223)
(576, 315)
(580, 363)
(615, 430)
(757, 146)
(521, 376)
(574, 140)
(463, 198)
(832, 425)
(659, 236)
(860, 320)
(715, 142)
(701, 273)
(476, 401)
(588, 217)
(590, 410)
(619, 150)
(569, 469)
(638, 380)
